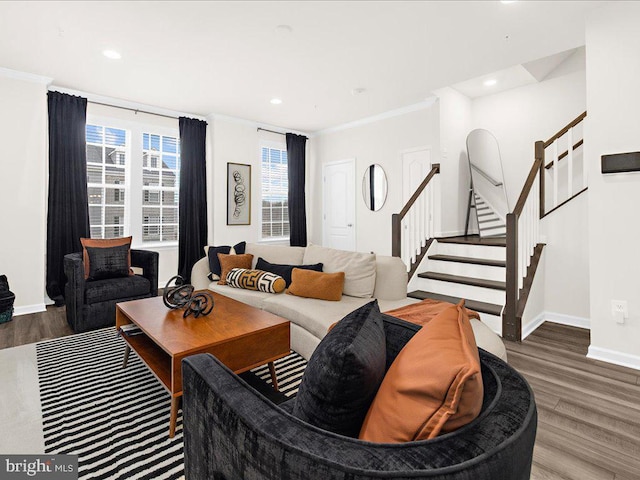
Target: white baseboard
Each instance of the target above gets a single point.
(615, 357)
(559, 318)
(530, 327)
(26, 309)
(570, 320)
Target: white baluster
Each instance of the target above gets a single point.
(413, 234)
(432, 210)
(585, 168)
(555, 173)
(520, 250)
(406, 252)
(570, 164)
(423, 218)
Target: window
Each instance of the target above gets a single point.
(160, 182)
(106, 180)
(118, 166)
(275, 190)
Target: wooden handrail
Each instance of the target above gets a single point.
(564, 154)
(396, 218)
(572, 124)
(435, 168)
(528, 184)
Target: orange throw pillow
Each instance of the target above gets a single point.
(433, 386)
(229, 262)
(102, 243)
(320, 285)
(421, 313)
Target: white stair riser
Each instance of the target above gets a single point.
(467, 250)
(465, 269)
(481, 294)
(498, 232)
(491, 223)
(494, 322)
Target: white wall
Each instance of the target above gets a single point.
(379, 142)
(23, 123)
(566, 258)
(613, 126)
(238, 141)
(455, 122)
(521, 116)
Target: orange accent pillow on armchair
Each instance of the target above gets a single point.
(433, 386)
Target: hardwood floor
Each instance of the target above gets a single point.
(589, 411)
(35, 327)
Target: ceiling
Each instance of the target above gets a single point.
(229, 58)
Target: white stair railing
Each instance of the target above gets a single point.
(523, 227)
(576, 178)
(413, 226)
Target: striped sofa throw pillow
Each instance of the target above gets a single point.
(255, 280)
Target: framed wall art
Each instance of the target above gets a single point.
(238, 194)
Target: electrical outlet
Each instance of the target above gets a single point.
(619, 310)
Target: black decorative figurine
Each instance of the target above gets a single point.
(181, 295)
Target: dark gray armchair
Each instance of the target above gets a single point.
(232, 432)
(92, 304)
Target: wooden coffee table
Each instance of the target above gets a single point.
(239, 335)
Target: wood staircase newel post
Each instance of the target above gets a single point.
(396, 235)
(511, 327)
(539, 155)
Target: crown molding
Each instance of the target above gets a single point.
(428, 103)
(27, 77)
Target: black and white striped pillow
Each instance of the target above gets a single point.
(258, 280)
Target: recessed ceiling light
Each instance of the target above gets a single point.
(284, 29)
(112, 54)
(276, 101)
(490, 82)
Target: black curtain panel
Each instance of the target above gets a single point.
(297, 208)
(68, 210)
(193, 195)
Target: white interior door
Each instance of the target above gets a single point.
(339, 195)
(416, 164)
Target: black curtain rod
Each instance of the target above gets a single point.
(133, 110)
(271, 131)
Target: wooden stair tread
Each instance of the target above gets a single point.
(481, 307)
(474, 261)
(475, 240)
(476, 282)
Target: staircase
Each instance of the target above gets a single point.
(468, 267)
(495, 273)
(489, 222)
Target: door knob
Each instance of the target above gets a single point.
(349, 224)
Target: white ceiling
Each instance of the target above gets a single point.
(228, 57)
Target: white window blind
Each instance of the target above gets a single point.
(107, 161)
(275, 188)
(160, 183)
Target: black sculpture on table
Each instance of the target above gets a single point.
(181, 295)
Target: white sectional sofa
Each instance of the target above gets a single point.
(367, 276)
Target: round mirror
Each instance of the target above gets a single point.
(374, 187)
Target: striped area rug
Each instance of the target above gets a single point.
(117, 420)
